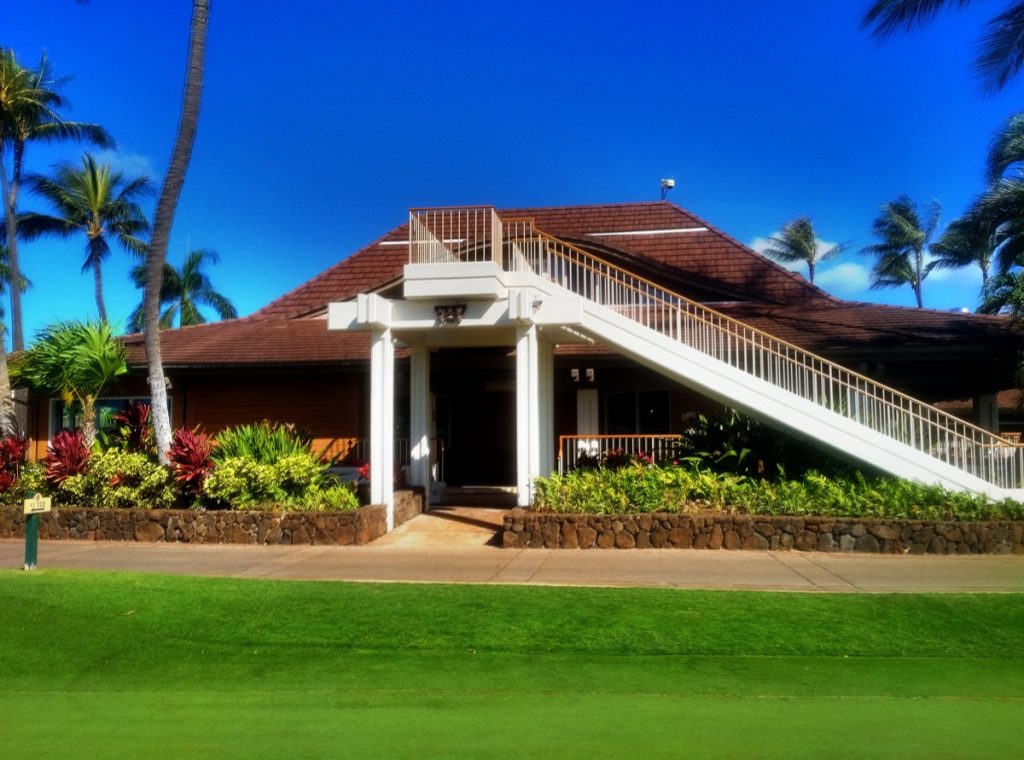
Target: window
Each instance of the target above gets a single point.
(632, 412)
(70, 418)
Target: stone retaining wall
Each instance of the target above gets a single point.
(524, 528)
(195, 527)
(408, 504)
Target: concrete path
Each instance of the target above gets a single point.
(776, 571)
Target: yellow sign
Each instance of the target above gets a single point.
(37, 504)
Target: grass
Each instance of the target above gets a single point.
(106, 665)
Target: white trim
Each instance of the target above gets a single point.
(671, 231)
(406, 242)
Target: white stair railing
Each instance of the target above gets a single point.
(784, 365)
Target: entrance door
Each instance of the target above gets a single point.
(479, 432)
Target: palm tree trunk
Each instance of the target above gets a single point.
(163, 219)
(10, 201)
(89, 423)
(97, 275)
(810, 271)
(8, 420)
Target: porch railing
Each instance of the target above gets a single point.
(583, 450)
(450, 235)
(784, 365)
(357, 452)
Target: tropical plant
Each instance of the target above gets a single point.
(156, 255)
(66, 455)
(131, 429)
(1001, 51)
(190, 460)
(1004, 293)
(183, 292)
(76, 361)
(732, 442)
(965, 242)
(95, 201)
(13, 452)
(30, 111)
(904, 233)
(797, 242)
(689, 489)
(264, 442)
(118, 478)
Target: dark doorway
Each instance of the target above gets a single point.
(475, 408)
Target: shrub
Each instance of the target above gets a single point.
(264, 442)
(730, 442)
(688, 488)
(13, 450)
(190, 460)
(243, 483)
(132, 431)
(66, 455)
(31, 480)
(118, 478)
(296, 481)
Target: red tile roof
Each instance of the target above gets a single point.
(782, 303)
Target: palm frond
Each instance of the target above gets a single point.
(888, 17)
(1001, 49)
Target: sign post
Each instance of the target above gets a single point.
(33, 508)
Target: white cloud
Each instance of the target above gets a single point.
(132, 164)
(844, 278)
(970, 275)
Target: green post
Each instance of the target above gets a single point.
(31, 541)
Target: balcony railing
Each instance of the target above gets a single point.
(451, 235)
(590, 450)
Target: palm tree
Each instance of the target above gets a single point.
(1004, 293)
(95, 201)
(156, 256)
(30, 105)
(183, 291)
(1001, 50)
(967, 241)
(798, 242)
(903, 235)
(76, 361)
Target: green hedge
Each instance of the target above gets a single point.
(639, 488)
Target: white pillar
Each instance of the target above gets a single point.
(419, 418)
(382, 421)
(546, 391)
(534, 411)
(527, 413)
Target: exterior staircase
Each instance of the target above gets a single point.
(557, 284)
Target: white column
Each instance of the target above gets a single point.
(528, 412)
(382, 421)
(419, 418)
(546, 392)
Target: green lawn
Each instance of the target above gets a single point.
(104, 665)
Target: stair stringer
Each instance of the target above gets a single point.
(758, 398)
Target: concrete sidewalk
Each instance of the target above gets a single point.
(672, 568)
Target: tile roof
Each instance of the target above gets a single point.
(783, 304)
(249, 342)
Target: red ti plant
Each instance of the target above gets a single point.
(66, 455)
(190, 459)
(134, 428)
(13, 451)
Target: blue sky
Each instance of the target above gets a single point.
(323, 122)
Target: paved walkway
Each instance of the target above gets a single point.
(777, 571)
